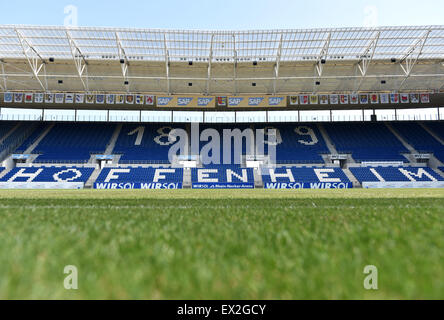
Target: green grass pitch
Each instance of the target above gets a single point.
(189, 244)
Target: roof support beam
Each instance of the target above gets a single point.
(373, 76)
(79, 61)
(235, 64)
(123, 58)
(277, 65)
(210, 61)
(167, 64)
(319, 65)
(3, 86)
(322, 55)
(35, 61)
(366, 59)
(411, 56)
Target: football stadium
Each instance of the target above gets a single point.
(195, 164)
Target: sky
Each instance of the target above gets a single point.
(223, 15)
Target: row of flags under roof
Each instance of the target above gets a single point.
(361, 98)
(80, 98)
(149, 100)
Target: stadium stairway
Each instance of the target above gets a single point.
(89, 183)
(9, 132)
(186, 178)
(5, 148)
(434, 162)
(439, 171)
(34, 144)
(429, 131)
(258, 183)
(14, 138)
(331, 147)
(333, 150)
(352, 178)
(404, 143)
(365, 142)
(422, 141)
(5, 127)
(112, 141)
(3, 172)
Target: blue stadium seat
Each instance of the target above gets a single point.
(6, 142)
(119, 175)
(32, 138)
(220, 129)
(221, 174)
(437, 127)
(306, 175)
(420, 139)
(73, 142)
(144, 143)
(366, 141)
(395, 174)
(417, 136)
(49, 174)
(298, 143)
(5, 127)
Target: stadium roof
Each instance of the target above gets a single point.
(232, 62)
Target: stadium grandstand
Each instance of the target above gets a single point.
(107, 108)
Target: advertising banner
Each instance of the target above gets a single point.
(404, 97)
(374, 98)
(223, 185)
(425, 98)
(59, 97)
(221, 101)
(314, 99)
(100, 98)
(186, 101)
(308, 185)
(324, 99)
(120, 99)
(110, 98)
(137, 185)
(257, 101)
(414, 98)
(343, 98)
(384, 98)
(69, 98)
(354, 98)
(39, 96)
(304, 98)
(394, 98)
(18, 97)
(334, 99)
(363, 98)
(149, 100)
(402, 184)
(90, 98)
(294, 100)
(41, 185)
(28, 97)
(8, 97)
